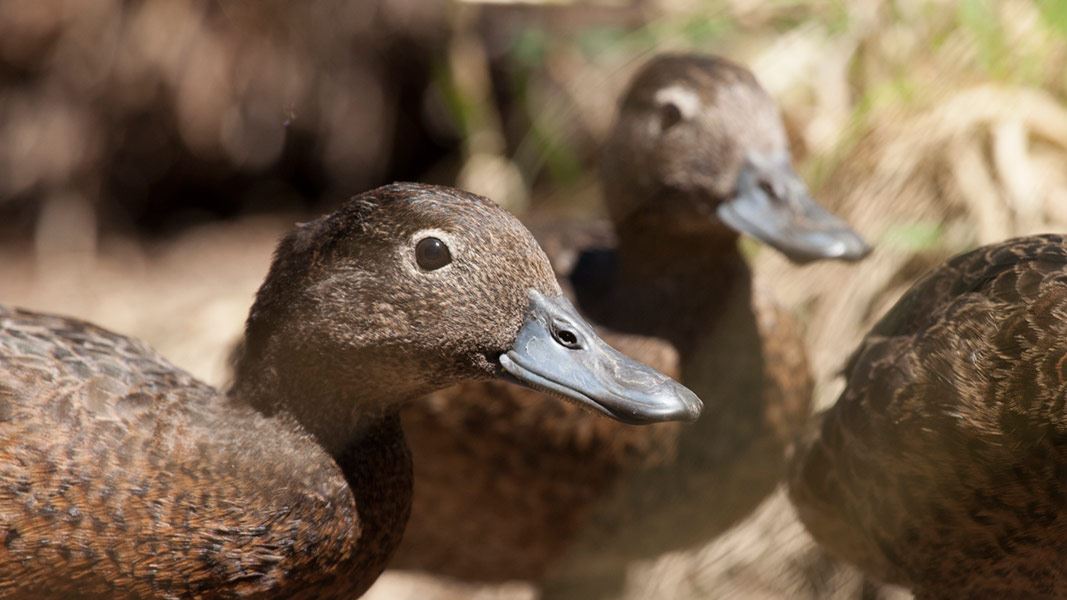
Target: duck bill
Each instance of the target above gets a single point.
(773, 205)
(558, 352)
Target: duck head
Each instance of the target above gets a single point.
(699, 147)
(409, 288)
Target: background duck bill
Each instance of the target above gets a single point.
(558, 352)
(795, 225)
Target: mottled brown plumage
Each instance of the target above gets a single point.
(121, 476)
(943, 465)
(510, 486)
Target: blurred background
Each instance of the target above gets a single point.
(151, 153)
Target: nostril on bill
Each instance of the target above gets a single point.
(567, 338)
(773, 193)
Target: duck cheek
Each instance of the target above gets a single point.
(484, 365)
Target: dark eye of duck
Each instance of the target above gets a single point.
(432, 254)
(669, 116)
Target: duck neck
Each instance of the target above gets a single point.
(377, 467)
(303, 386)
(369, 451)
(677, 281)
(647, 251)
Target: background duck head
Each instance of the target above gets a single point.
(699, 149)
(410, 288)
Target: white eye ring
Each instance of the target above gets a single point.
(684, 99)
(452, 247)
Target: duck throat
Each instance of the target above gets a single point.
(328, 396)
(670, 284)
(649, 242)
(359, 429)
(378, 469)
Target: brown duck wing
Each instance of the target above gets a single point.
(961, 275)
(944, 462)
(123, 476)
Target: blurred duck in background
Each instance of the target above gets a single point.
(510, 486)
(122, 476)
(943, 465)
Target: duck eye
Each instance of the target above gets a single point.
(669, 116)
(432, 254)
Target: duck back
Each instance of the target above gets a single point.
(142, 481)
(943, 466)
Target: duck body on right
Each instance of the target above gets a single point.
(943, 465)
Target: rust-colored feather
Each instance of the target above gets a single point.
(122, 476)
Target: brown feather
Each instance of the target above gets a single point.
(943, 465)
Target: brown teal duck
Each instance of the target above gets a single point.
(943, 465)
(509, 487)
(122, 476)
